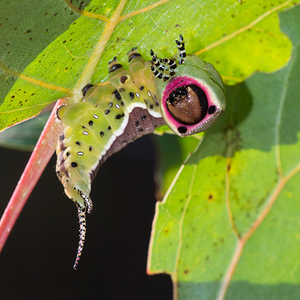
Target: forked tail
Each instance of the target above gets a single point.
(82, 232)
(82, 225)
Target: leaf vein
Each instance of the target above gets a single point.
(142, 10)
(182, 218)
(243, 240)
(243, 29)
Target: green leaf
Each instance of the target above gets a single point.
(239, 37)
(25, 31)
(171, 152)
(229, 227)
(227, 33)
(24, 136)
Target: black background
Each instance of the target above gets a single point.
(37, 260)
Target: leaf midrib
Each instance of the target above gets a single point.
(270, 199)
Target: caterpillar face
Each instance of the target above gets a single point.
(193, 98)
(184, 92)
(189, 106)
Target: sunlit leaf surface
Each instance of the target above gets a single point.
(239, 37)
(229, 227)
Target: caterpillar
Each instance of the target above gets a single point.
(185, 93)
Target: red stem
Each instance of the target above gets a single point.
(38, 161)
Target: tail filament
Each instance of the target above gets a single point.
(82, 233)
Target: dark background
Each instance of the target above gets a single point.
(37, 260)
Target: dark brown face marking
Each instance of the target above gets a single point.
(211, 109)
(188, 104)
(182, 129)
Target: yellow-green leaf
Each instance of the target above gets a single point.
(229, 226)
(239, 37)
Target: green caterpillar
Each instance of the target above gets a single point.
(185, 93)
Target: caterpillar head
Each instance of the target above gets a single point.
(191, 91)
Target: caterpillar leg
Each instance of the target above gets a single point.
(166, 68)
(82, 233)
(181, 49)
(160, 68)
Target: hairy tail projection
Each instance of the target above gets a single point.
(82, 233)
